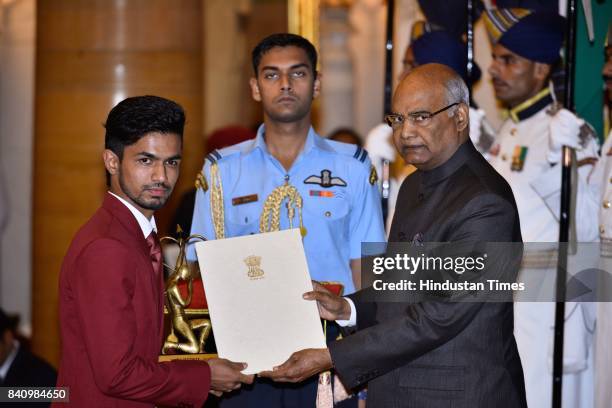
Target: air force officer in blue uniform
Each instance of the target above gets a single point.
(341, 202)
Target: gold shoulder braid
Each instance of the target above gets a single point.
(270, 215)
(217, 211)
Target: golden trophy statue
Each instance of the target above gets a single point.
(189, 327)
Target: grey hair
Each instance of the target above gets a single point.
(456, 91)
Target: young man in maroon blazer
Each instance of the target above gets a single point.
(111, 282)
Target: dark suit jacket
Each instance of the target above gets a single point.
(439, 354)
(110, 307)
(27, 370)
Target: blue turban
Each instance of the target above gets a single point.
(442, 48)
(535, 35)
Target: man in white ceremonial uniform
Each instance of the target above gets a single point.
(603, 180)
(527, 153)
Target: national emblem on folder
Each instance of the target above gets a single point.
(254, 264)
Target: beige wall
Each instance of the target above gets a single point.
(225, 56)
(231, 29)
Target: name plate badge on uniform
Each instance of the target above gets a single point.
(254, 286)
(251, 198)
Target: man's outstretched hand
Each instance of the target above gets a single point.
(331, 307)
(300, 366)
(226, 376)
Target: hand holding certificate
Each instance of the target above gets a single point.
(306, 363)
(254, 286)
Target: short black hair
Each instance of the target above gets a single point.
(8, 322)
(284, 40)
(135, 117)
(346, 131)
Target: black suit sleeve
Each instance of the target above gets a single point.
(421, 327)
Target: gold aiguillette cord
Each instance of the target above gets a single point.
(270, 215)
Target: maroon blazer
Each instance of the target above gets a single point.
(110, 308)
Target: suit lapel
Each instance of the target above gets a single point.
(126, 218)
(156, 280)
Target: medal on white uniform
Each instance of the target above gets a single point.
(518, 158)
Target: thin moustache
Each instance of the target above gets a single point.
(162, 187)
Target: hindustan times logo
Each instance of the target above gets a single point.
(422, 262)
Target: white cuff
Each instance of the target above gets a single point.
(352, 320)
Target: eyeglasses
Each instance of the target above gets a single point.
(422, 118)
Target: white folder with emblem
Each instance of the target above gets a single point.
(254, 286)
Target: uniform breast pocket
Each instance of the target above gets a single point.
(242, 220)
(332, 212)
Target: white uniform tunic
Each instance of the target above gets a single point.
(603, 177)
(603, 351)
(537, 190)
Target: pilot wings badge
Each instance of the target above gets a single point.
(326, 180)
(254, 264)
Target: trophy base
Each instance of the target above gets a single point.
(171, 357)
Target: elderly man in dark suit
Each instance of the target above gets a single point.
(111, 282)
(430, 354)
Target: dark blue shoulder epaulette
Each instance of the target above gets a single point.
(360, 154)
(213, 156)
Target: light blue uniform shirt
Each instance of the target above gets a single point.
(341, 208)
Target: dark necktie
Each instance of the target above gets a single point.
(158, 281)
(155, 252)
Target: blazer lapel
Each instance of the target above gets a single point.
(126, 218)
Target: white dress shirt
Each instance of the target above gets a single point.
(8, 362)
(352, 320)
(145, 224)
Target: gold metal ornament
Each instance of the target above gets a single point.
(189, 328)
(373, 175)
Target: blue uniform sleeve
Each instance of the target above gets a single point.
(202, 220)
(366, 222)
